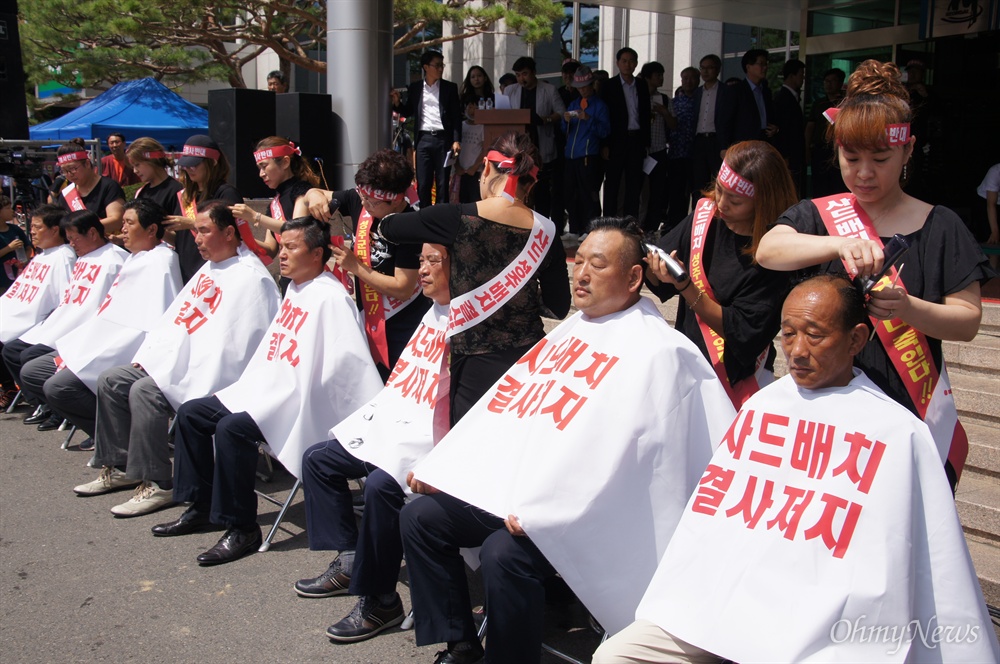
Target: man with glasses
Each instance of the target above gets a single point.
(435, 105)
(706, 150)
(747, 113)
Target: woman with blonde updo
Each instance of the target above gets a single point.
(935, 296)
(730, 296)
(150, 162)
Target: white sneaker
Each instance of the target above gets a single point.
(148, 497)
(111, 479)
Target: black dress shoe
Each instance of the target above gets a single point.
(471, 655)
(234, 545)
(41, 414)
(51, 424)
(192, 520)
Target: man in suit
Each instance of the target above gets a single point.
(791, 137)
(434, 104)
(747, 111)
(628, 103)
(547, 109)
(707, 146)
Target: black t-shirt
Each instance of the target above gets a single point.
(10, 267)
(750, 296)
(385, 259)
(943, 259)
(187, 252)
(288, 192)
(164, 195)
(106, 192)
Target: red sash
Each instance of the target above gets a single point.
(73, 199)
(190, 210)
(906, 347)
(371, 299)
(704, 212)
(251, 242)
(441, 422)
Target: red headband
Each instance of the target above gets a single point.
(896, 134)
(72, 156)
(503, 161)
(154, 155)
(378, 194)
(276, 152)
(200, 152)
(732, 181)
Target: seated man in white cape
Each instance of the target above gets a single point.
(148, 282)
(200, 344)
(95, 270)
(822, 530)
(382, 440)
(39, 288)
(594, 439)
(311, 369)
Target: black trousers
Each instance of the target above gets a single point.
(430, 153)
(223, 480)
(16, 354)
(705, 163)
(625, 160)
(583, 184)
(678, 191)
(434, 527)
(330, 521)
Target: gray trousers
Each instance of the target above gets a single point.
(70, 398)
(132, 421)
(35, 372)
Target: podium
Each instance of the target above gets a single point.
(497, 122)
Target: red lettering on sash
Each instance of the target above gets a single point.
(374, 309)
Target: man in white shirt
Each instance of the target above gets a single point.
(437, 112)
(631, 113)
(707, 147)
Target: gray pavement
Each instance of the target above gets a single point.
(79, 585)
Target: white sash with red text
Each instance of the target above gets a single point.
(823, 530)
(907, 348)
(472, 308)
(315, 364)
(92, 277)
(36, 292)
(147, 284)
(715, 345)
(73, 199)
(594, 439)
(204, 340)
(394, 429)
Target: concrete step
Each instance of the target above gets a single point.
(980, 357)
(991, 319)
(977, 398)
(984, 449)
(978, 503)
(986, 559)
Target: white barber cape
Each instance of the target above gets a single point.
(594, 439)
(36, 292)
(92, 277)
(204, 340)
(823, 530)
(147, 284)
(394, 429)
(312, 368)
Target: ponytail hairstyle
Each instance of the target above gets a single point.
(146, 149)
(516, 146)
(300, 167)
(875, 99)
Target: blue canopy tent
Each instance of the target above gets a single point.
(135, 108)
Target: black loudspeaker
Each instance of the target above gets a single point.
(306, 119)
(14, 111)
(237, 120)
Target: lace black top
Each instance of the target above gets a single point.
(480, 249)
